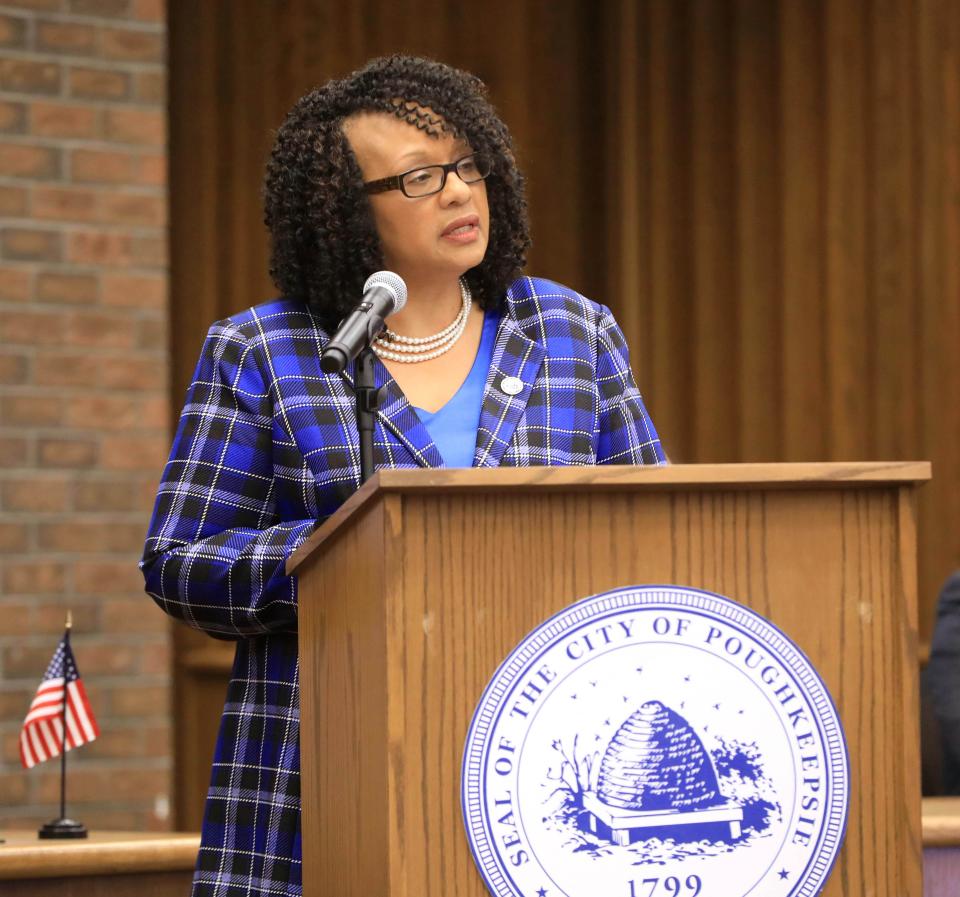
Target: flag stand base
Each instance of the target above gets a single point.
(63, 828)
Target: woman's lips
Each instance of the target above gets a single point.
(462, 230)
(466, 233)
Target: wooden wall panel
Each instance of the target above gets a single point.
(793, 229)
(766, 192)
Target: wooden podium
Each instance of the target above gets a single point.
(420, 585)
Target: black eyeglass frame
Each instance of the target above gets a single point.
(395, 182)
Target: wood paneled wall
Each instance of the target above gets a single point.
(784, 180)
(767, 193)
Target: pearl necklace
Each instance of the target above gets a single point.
(410, 349)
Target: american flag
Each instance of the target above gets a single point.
(42, 733)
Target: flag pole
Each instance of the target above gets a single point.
(64, 827)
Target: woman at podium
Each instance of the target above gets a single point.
(403, 165)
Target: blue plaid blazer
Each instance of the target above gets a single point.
(266, 448)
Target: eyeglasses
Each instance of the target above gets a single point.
(433, 178)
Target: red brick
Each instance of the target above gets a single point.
(129, 45)
(20, 160)
(13, 202)
(156, 660)
(61, 452)
(144, 126)
(97, 659)
(66, 370)
(14, 702)
(27, 76)
(152, 171)
(33, 578)
(112, 578)
(151, 87)
(14, 369)
(31, 245)
(132, 615)
(25, 660)
(79, 534)
(152, 333)
(13, 787)
(115, 494)
(10, 754)
(40, 5)
(99, 248)
(66, 37)
(30, 328)
(135, 291)
(147, 453)
(88, 784)
(64, 120)
(31, 411)
(104, 9)
(51, 616)
(33, 493)
(117, 413)
(133, 208)
(16, 284)
(13, 118)
(157, 740)
(148, 487)
(65, 204)
(13, 537)
(13, 31)
(149, 252)
(98, 84)
(101, 167)
(17, 618)
(116, 743)
(140, 374)
(72, 289)
(13, 451)
(140, 700)
(96, 329)
(150, 11)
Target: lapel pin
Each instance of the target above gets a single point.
(512, 386)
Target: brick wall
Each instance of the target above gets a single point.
(83, 408)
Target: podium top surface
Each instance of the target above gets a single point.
(615, 478)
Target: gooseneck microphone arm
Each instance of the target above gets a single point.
(384, 293)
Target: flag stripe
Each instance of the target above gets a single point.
(26, 753)
(60, 699)
(50, 744)
(39, 751)
(78, 707)
(74, 737)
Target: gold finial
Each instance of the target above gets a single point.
(69, 620)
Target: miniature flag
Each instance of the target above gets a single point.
(42, 734)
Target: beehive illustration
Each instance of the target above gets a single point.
(656, 773)
(656, 761)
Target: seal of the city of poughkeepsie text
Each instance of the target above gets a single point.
(655, 741)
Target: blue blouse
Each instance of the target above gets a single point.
(453, 427)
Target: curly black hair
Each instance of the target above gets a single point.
(323, 240)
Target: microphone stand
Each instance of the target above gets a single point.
(368, 402)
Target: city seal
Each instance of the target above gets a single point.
(655, 741)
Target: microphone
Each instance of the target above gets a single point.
(383, 294)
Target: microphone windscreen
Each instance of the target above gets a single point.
(392, 282)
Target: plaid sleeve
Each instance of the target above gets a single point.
(215, 550)
(627, 435)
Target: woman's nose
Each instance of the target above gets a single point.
(454, 190)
